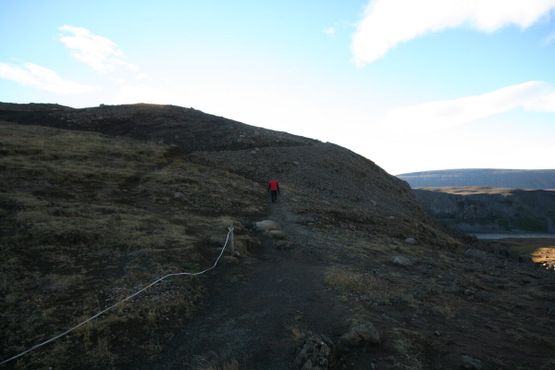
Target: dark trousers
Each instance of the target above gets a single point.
(274, 196)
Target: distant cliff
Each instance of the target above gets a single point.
(495, 178)
(475, 210)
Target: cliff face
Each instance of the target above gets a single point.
(491, 210)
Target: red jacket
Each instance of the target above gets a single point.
(273, 185)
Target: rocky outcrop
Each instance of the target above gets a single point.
(490, 210)
(315, 353)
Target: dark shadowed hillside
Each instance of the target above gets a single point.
(187, 128)
(336, 181)
(490, 210)
(351, 274)
(493, 178)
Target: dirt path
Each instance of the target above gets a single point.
(254, 309)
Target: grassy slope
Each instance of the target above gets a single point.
(85, 221)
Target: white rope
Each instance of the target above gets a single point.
(230, 232)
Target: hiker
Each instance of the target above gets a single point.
(273, 188)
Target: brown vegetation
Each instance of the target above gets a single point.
(87, 220)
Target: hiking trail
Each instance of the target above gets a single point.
(253, 309)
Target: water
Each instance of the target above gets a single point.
(487, 236)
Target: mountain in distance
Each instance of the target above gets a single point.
(486, 177)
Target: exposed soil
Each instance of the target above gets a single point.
(256, 310)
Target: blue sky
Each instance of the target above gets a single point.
(411, 84)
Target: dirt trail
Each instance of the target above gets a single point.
(253, 308)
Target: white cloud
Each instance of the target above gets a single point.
(533, 96)
(330, 31)
(550, 39)
(98, 52)
(34, 75)
(387, 23)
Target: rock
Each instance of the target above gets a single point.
(470, 363)
(178, 195)
(469, 292)
(296, 163)
(410, 241)
(267, 225)
(368, 332)
(315, 354)
(364, 333)
(236, 254)
(475, 253)
(401, 261)
(277, 234)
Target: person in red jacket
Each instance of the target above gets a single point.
(273, 188)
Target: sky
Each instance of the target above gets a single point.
(413, 85)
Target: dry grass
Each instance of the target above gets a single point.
(540, 251)
(544, 256)
(85, 220)
(365, 285)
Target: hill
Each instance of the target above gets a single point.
(332, 180)
(95, 203)
(493, 178)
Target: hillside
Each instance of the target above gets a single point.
(95, 203)
(308, 167)
(490, 210)
(493, 178)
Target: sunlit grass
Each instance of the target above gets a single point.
(544, 256)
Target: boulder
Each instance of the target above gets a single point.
(267, 225)
(410, 241)
(401, 261)
(277, 234)
(360, 334)
(470, 363)
(315, 353)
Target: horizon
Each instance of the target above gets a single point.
(396, 174)
(413, 86)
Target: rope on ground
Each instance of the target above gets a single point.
(36, 346)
